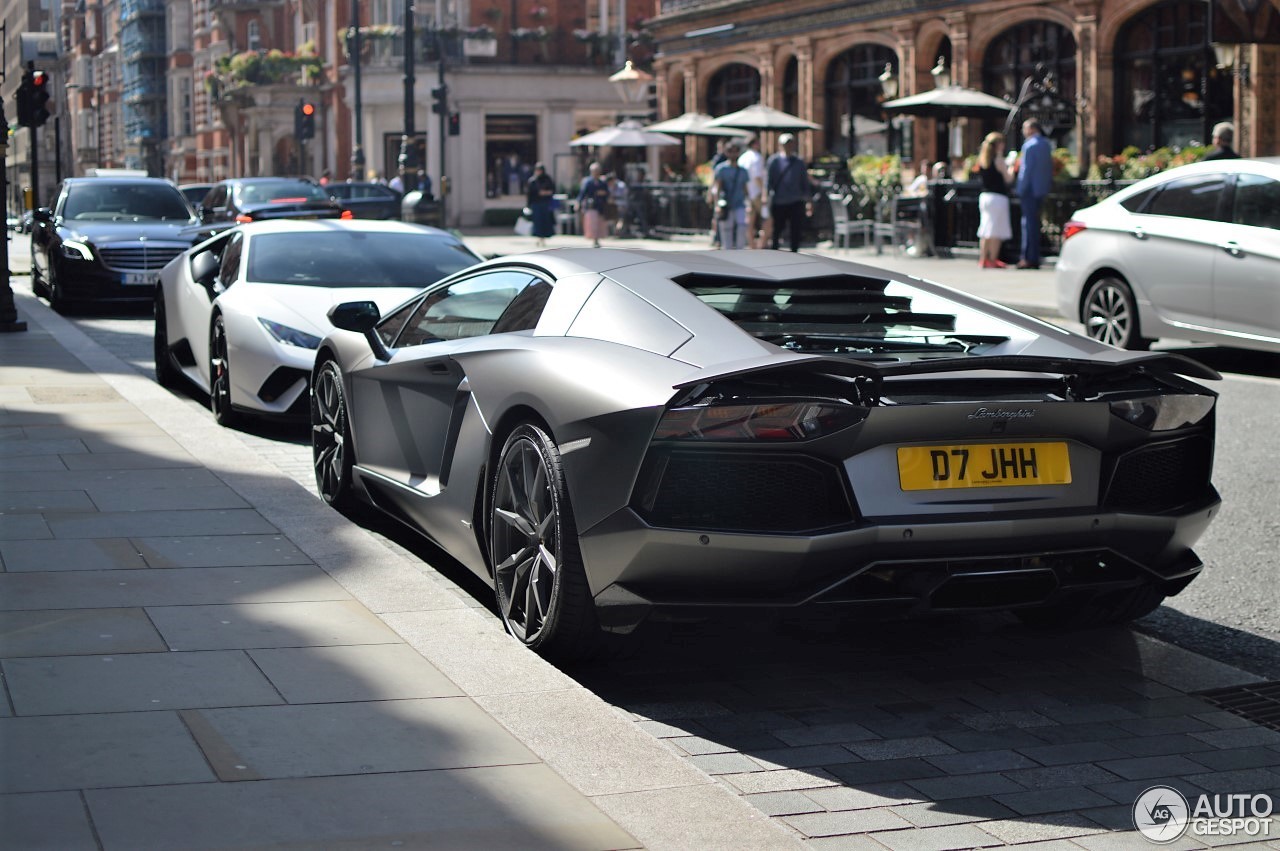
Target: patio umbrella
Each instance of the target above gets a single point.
(628, 134)
(759, 117)
(950, 102)
(692, 124)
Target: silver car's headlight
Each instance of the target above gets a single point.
(290, 336)
(76, 250)
(1164, 413)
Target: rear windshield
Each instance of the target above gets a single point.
(848, 315)
(279, 192)
(342, 258)
(118, 202)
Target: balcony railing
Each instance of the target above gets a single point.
(384, 48)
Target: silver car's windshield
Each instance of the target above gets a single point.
(342, 258)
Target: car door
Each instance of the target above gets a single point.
(409, 408)
(194, 302)
(1246, 274)
(1175, 244)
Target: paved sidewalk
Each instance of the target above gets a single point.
(1029, 290)
(197, 653)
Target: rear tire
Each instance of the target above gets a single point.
(166, 374)
(539, 579)
(1110, 314)
(1113, 607)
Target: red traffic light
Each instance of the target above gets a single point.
(308, 109)
(39, 78)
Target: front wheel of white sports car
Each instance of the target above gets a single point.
(539, 579)
(331, 439)
(220, 377)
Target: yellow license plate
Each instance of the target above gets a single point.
(983, 465)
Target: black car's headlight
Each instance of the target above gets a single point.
(290, 336)
(1164, 413)
(73, 250)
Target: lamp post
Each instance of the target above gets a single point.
(9, 320)
(408, 160)
(353, 47)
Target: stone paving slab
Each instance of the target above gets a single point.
(152, 500)
(341, 674)
(510, 806)
(299, 623)
(56, 753)
(39, 502)
(12, 481)
(47, 821)
(77, 554)
(107, 524)
(373, 737)
(135, 682)
(73, 632)
(224, 551)
(177, 587)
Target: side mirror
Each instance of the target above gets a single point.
(358, 316)
(204, 268)
(42, 214)
(205, 214)
(362, 318)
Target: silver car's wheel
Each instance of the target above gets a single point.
(1110, 314)
(538, 576)
(331, 438)
(220, 376)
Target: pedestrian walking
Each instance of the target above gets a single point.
(1224, 134)
(1035, 179)
(790, 192)
(593, 201)
(729, 190)
(994, 226)
(540, 198)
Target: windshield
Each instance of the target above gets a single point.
(342, 258)
(279, 192)
(848, 314)
(119, 202)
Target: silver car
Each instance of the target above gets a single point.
(1192, 253)
(603, 435)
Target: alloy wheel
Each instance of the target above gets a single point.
(220, 376)
(525, 526)
(1110, 315)
(329, 436)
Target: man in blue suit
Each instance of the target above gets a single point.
(1035, 178)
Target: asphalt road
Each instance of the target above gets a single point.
(1231, 613)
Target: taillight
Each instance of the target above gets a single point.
(242, 218)
(347, 214)
(1071, 228)
(801, 420)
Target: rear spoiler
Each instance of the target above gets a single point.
(1116, 363)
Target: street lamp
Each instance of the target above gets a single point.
(353, 49)
(631, 83)
(888, 82)
(1225, 56)
(941, 76)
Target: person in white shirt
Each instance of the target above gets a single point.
(758, 224)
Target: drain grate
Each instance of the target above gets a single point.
(1258, 702)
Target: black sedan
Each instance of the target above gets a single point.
(367, 200)
(605, 435)
(254, 199)
(106, 239)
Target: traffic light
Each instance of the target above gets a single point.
(440, 94)
(39, 98)
(23, 97)
(304, 121)
(455, 124)
(653, 105)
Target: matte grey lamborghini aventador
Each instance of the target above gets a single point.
(604, 434)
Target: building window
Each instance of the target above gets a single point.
(253, 33)
(184, 123)
(732, 88)
(1168, 93)
(1041, 52)
(510, 150)
(855, 124)
(791, 87)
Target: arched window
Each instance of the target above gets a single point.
(1168, 90)
(853, 89)
(791, 87)
(1036, 59)
(732, 88)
